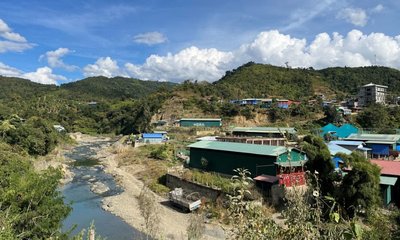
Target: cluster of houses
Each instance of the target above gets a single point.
(265, 102)
(272, 155)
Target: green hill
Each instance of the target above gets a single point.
(262, 80)
(18, 88)
(98, 88)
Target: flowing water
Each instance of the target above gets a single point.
(87, 204)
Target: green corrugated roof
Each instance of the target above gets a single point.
(240, 148)
(265, 129)
(374, 137)
(388, 180)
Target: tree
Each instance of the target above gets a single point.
(359, 191)
(319, 161)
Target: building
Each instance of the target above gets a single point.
(357, 146)
(382, 145)
(338, 132)
(200, 122)
(153, 137)
(273, 136)
(390, 186)
(223, 157)
(372, 93)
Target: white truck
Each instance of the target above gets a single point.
(185, 201)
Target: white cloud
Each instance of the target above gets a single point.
(43, 75)
(150, 38)
(355, 16)
(190, 63)
(378, 8)
(12, 42)
(103, 67)
(54, 59)
(8, 71)
(271, 47)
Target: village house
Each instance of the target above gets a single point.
(274, 161)
(274, 136)
(382, 145)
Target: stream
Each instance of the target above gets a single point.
(86, 203)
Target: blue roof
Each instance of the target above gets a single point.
(152, 135)
(348, 143)
(334, 149)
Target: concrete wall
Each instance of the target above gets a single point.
(177, 182)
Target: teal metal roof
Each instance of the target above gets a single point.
(384, 138)
(345, 130)
(200, 119)
(265, 129)
(240, 148)
(385, 180)
(329, 128)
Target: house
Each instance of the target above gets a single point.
(200, 122)
(224, 157)
(338, 132)
(358, 146)
(390, 186)
(382, 145)
(372, 93)
(274, 136)
(335, 149)
(153, 138)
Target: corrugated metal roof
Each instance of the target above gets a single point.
(200, 119)
(348, 143)
(374, 137)
(264, 130)
(335, 149)
(240, 148)
(388, 180)
(152, 135)
(388, 167)
(345, 130)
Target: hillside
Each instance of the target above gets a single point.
(18, 88)
(98, 88)
(262, 80)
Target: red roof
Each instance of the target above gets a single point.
(388, 167)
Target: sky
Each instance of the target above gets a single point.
(55, 42)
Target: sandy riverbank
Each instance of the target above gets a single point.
(173, 224)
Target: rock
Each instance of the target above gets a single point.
(99, 188)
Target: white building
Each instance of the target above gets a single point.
(372, 93)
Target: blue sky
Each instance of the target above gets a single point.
(62, 41)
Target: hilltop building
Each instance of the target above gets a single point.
(372, 93)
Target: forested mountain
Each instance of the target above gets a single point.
(18, 88)
(97, 88)
(262, 80)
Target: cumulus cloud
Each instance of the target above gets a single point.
(271, 47)
(190, 63)
(11, 41)
(150, 38)
(104, 66)
(54, 59)
(43, 75)
(355, 16)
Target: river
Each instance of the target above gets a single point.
(87, 204)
